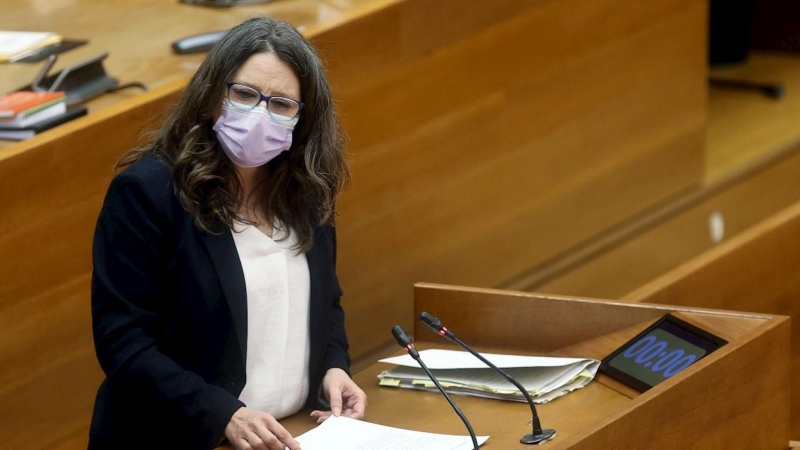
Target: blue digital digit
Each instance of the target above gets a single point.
(679, 365)
(667, 360)
(639, 346)
(651, 352)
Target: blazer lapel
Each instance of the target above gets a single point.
(231, 277)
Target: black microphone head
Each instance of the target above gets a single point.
(401, 337)
(436, 325)
(404, 341)
(430, 321)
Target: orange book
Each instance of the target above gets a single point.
(23, 103)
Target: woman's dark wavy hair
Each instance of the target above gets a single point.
(302, 184)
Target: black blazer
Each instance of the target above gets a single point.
(169, 312)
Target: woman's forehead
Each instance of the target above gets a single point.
(267, 73)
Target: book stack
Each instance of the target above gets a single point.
(15, 45)
(23, 114)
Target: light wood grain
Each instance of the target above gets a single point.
(636, 253)
(530, 140)
(138, 34)
(744, 126)
(752, 157)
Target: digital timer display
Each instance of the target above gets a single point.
(662, 351)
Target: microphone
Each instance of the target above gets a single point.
(404, 341)
(538, 435)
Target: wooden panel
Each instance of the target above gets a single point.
(525, 322)
(752, 157)
(51, 190)
(546, 323)
(756, 271)
(50, 373)
(667, 238)
(746, 126)
(473, 162)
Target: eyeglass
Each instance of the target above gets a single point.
(246, 98)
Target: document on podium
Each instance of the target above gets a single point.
(545, 378)
(342, 433)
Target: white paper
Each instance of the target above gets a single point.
(342, 433)
(485, 379)
(452, 359)
(12, 42)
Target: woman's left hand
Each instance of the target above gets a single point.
(344, 396)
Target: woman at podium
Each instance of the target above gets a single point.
(215, 302)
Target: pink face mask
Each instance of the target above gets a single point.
(252, 138)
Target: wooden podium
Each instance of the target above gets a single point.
(737, 397)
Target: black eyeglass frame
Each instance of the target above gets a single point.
(264, 98)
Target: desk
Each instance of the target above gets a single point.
(138, 34)
(735, 398)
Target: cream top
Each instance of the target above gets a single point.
(278, 293)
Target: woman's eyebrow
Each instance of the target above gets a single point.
(274, 94)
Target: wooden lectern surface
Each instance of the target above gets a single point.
(505, 422)
(741, 389)
(735, 398)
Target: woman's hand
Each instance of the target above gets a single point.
(344, 396)
(252, 429)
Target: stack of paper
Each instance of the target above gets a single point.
(545, 378)
(342, 433)
(17, 44)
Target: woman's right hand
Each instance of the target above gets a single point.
(251, 429)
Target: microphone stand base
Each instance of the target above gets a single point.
(538, 438)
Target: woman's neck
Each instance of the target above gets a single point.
(250, 177)
(249, 203)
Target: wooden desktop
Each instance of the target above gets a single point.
(735, 398)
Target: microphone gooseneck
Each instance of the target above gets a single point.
(404, 341)
(538, 435)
